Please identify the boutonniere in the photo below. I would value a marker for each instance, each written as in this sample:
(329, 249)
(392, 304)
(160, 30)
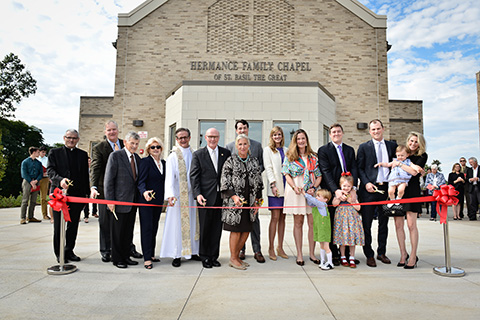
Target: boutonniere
(221, 154)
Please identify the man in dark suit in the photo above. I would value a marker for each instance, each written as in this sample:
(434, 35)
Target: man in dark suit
(120, 184)
(68, 169)
(371, 179)
(100, 153)
(464, 169)
(205, 174)
(473, 188)
(256, 150)
(334, 158)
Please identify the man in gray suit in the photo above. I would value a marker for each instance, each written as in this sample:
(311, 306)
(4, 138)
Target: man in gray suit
(120, 184)
(256, 150)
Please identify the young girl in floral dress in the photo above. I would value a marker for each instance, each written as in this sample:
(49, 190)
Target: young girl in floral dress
(348, 230)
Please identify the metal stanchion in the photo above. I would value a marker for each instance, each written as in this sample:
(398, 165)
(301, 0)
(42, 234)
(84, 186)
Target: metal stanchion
(448, 270)
(62, 268)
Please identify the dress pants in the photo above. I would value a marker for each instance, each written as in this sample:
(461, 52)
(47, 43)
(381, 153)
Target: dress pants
(122, 235)
(28, 199)
(105, 217)
(44, 184)
(149, 218)
(368, 212)
(210, 221)
(474, 202)
(71, 229)
(255, 236)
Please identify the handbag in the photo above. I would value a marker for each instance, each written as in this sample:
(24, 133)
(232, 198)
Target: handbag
(394, 211)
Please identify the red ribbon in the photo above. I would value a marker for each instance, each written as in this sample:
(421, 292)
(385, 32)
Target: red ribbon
(445, 196)
(346, 173)
(58, 202)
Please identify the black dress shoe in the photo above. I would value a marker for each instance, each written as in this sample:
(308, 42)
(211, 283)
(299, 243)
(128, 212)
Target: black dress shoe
(336, 261)
(195, 257)
(73, 257)
(207, 263)
(130, 262)
(121, 265)
(177, 262)
(215, 263)
(106, 257)
(136, 255)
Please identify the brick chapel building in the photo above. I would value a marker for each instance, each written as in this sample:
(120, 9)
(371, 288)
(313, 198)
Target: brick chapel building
(294, 63)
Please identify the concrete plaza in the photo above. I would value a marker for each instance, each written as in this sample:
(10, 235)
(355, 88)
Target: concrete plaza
(273, 290)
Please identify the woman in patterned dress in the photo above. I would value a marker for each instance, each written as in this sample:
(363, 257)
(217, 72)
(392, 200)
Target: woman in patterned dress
(301, 172)
(240, 185)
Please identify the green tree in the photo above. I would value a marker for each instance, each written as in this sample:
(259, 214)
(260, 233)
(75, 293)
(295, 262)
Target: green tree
(16, 138)
(3, 160)
(438, 163)
(16, 83)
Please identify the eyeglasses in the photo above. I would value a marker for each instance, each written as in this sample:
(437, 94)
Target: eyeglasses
(182, 138)
(212, 137)
(155, 147)
(71, 138)
(463, 160)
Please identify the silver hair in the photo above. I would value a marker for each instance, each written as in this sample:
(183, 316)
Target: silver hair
(111, 121)
(473, 158)
(434, 167)
(72, 131)
(132, 135)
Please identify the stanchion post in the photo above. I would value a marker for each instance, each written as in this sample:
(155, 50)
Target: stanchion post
(62, 268)
(447, 270)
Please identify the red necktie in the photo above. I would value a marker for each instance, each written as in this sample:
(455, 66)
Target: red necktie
(132, 164)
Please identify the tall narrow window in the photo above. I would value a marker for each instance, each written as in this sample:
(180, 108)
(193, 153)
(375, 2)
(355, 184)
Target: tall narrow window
(204, 125)
(288, 128)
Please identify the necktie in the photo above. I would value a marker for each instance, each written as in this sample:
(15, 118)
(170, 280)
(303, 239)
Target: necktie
(214, 159)
(132, 164)
(116, 147)
(344, 163)
(381, 176)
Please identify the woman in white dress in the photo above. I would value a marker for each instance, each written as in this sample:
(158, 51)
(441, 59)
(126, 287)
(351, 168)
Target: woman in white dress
(273, 157)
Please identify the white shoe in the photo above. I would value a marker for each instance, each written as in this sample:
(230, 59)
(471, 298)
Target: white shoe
(389, 205)
(326, 266)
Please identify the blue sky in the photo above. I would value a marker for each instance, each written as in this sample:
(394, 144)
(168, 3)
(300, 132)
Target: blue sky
(435, 56)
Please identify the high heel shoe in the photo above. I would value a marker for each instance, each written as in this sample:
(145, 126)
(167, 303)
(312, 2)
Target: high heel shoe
(402, 264)
(411, 267)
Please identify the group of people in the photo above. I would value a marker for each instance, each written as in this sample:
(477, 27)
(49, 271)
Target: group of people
(217, 188)
(464, 179)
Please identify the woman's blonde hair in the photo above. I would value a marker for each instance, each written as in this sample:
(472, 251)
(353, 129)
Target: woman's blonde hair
(422, 145)
(150, 142)
(272, 143)
(292, 153)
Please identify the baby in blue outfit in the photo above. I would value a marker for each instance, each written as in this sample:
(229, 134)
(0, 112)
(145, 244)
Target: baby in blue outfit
(398, 177)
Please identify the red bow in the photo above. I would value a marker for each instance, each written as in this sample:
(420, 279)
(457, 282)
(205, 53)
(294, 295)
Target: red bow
(346, 173)
(445, 196)
(58, 202)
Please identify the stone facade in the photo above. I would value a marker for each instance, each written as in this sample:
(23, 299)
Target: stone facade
(405, 116)
(339, 44)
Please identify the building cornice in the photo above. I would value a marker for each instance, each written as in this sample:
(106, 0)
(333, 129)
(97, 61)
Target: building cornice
(148, 6)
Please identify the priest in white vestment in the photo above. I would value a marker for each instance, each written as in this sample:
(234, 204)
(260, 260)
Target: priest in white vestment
(181, 231)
